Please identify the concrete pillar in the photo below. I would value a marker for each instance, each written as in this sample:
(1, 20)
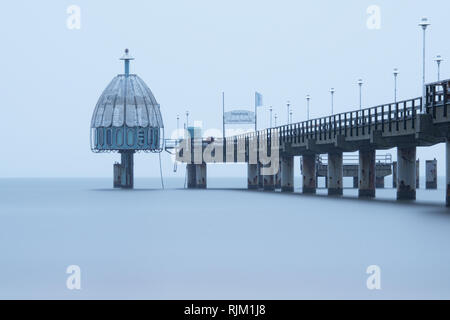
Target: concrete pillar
(117, 171)
(431, 174)
(418, 174)
(260, 177)
(335, 174)
(200, 176)
(406, 170)
(287, 174)
(278, 177)
(355, 182)
(447, 172)
(379, 182)
(252, 176)
(366, 173)
(268, 181)
(127, 172)
(309, 174)
(191, 176)
(394, 174)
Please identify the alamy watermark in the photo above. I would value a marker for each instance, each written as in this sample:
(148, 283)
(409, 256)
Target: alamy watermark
(73, 21)
(374, 19)
(253, 149)
(73, 281)
(374, 280)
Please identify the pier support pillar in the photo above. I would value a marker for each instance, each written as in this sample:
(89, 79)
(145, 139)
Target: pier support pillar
(335, 174)
(309, 174)
(252, 176)
(196, 176)
(431, 174)
(447, 172)
(406, 170)
(268, 181)
(355, 182)
(366, 173)
(127, 172)
(200, 176)
(287, 174)
(260, 177)
(394, 174)
(191, 176)
(117, 171)
(418, 174)
(278, 177)
(379, 182)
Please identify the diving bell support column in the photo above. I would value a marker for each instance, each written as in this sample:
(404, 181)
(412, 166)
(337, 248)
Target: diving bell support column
(127, 170)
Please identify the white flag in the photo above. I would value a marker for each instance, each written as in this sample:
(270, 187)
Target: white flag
(258, 99)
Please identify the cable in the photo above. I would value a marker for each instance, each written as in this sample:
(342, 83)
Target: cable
(160, 171)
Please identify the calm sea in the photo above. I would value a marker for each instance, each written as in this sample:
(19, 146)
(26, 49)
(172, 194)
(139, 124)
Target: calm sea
(221, 243)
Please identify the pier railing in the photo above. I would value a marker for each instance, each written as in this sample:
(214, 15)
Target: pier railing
(354, 159)
(397, 117)
(388, 117)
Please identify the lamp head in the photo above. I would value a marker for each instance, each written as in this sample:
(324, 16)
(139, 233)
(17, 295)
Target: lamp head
(424, 23)
(439, 59)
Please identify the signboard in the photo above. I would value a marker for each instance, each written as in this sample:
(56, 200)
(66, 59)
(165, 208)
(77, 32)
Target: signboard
(240, 117)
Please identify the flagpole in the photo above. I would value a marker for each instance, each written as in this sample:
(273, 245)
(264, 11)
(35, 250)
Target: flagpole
(223, 115)
(256, 115)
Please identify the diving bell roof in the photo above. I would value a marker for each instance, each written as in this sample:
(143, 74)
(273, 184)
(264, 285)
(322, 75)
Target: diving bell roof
(127, 101)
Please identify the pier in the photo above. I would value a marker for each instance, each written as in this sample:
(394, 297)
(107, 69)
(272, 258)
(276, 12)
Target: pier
(269, 153)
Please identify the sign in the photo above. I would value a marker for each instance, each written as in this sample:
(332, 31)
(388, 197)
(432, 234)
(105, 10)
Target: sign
(240, 117)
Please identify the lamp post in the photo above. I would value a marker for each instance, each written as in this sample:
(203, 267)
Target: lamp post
(290, 113)
(332, 91)
(276, 117)
(288, 110)
(360, 83)
(187, 120)
(178, 122)
(424, 24)
(270, 109)
(308, 98)
(396, 73)
(438, 61)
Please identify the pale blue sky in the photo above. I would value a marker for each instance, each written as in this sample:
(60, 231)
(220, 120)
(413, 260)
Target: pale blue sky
(188, 52)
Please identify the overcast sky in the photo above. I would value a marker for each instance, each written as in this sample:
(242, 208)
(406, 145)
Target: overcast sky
(188, 52)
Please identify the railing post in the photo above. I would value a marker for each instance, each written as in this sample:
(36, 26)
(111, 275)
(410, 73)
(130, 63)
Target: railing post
(376, 118)
(396, 117)
(351, 124)
(413, 114)
(433, 101)
(315, 129)
(445, 88)
(390, 118)
(363, 122)
(404, 115)
(320, 129)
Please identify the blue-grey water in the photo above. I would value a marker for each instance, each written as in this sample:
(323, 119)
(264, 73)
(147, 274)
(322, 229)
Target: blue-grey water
(220, 243)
